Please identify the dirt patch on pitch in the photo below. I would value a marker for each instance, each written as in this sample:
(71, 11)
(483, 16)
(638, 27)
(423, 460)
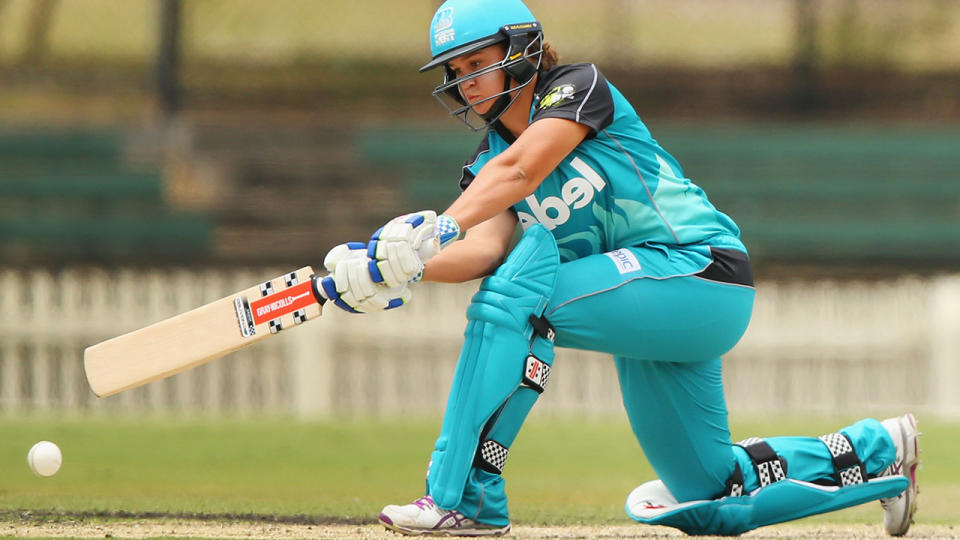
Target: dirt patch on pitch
(151, 528)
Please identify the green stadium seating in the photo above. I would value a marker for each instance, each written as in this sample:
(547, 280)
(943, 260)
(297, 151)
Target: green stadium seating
(99, 185)
(92, 238)
(832, 195)
(68, 197)
(802, 194)
(61, 144)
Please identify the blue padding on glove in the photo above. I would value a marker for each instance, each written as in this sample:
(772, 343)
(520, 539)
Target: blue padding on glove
(416, 220)
(372, 245)
(330, 289)
(374, 270)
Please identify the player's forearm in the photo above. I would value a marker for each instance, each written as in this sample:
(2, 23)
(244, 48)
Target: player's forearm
(462, 261)
(498, 186)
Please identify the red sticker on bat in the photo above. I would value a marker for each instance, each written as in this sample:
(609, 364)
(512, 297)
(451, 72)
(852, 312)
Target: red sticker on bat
(282, 302)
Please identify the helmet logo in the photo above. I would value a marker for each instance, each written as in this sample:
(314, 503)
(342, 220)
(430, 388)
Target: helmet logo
(443, 31)
(558, 95)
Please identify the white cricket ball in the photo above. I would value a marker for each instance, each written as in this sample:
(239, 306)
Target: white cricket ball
(44, 458)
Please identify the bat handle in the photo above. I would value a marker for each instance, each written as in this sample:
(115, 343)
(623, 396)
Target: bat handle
(316, 289)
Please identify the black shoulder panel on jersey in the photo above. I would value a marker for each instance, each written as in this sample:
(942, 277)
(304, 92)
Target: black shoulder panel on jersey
(466, 176)
(577, 92)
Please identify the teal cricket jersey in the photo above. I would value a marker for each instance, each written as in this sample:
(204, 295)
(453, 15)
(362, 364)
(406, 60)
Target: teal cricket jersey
(618, 188)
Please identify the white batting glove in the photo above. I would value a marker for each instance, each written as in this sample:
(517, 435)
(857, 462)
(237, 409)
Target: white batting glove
(350, 286)
(402, 246)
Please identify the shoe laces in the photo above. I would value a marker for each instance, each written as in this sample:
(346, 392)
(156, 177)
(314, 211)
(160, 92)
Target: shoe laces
(895, 469)
(425, 503)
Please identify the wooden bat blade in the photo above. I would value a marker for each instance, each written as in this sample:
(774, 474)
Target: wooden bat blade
(203, 334)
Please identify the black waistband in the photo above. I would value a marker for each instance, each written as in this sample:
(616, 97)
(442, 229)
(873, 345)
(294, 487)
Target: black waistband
(728, 266)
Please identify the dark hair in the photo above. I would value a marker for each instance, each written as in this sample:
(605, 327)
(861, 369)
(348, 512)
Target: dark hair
(550, 56)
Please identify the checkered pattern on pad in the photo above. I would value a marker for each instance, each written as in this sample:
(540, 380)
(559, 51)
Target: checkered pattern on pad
(770, 472)
(735, 490)
(494, 454)
(768, 465)
(849, 469)
(735, 483)
(836, 443)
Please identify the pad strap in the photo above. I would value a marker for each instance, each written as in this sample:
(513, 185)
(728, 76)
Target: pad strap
(536, 373)
(491, 456)
(542, 327)
(847, 467)
(769, 466)
(734, 483)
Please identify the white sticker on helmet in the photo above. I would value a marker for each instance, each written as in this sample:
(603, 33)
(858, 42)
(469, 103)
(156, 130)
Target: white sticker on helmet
(443, 31)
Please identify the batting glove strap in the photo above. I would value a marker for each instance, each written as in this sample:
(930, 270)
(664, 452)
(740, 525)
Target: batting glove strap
(447, 229)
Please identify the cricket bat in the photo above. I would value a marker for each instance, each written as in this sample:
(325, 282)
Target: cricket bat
(203, 334)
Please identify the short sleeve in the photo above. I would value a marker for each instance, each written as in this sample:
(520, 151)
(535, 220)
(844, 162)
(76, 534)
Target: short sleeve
(577, 92)
(473, 165)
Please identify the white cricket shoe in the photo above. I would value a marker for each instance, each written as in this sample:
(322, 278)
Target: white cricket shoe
(422, 517)
(898, 511)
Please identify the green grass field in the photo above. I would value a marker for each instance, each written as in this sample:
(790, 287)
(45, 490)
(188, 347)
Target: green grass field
(561, 472)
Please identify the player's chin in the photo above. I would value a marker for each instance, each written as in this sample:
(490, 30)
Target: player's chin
(481, 107)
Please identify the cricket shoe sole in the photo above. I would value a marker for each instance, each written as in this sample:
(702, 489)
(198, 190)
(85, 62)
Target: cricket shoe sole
(422, 517)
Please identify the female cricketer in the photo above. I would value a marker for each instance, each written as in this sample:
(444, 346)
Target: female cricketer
(621, 254)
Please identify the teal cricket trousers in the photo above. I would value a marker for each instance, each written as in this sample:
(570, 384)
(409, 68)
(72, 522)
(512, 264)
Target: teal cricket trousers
(667, 324)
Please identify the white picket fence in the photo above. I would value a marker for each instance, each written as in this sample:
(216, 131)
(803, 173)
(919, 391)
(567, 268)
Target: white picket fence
(812, 347)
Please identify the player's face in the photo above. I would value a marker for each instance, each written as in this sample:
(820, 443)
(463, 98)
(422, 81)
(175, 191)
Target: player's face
(477, 89)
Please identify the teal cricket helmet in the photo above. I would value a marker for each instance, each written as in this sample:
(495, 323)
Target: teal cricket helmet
(462, 26)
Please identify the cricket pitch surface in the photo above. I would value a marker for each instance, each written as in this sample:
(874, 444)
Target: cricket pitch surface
(28, 527)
